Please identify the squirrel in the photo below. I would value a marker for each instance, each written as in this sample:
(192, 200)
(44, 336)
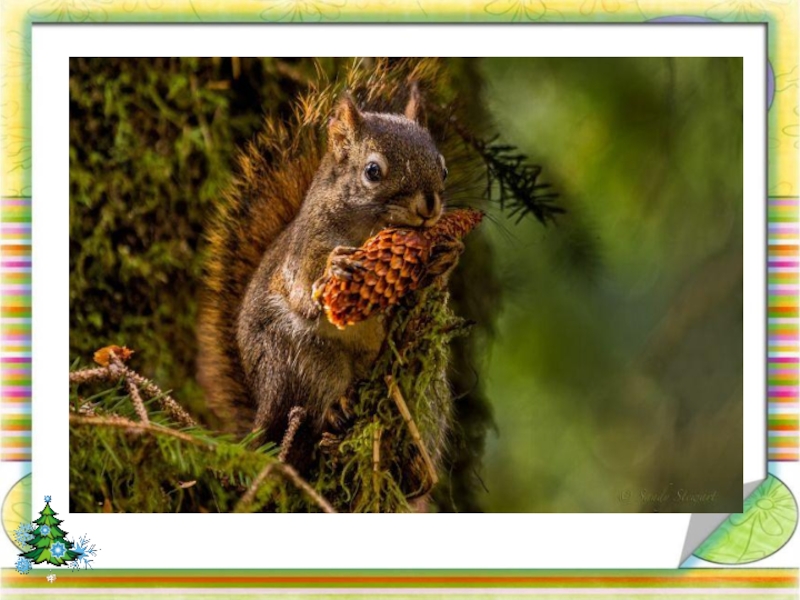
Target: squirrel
(265, 344)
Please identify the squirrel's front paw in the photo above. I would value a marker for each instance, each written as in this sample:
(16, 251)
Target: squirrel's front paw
(444, 256)
(341, 263)
(339, 417)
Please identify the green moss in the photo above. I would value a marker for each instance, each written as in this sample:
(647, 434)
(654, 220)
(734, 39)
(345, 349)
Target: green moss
(125, 470)
(202, 471)
(416, 357)
(152, 145)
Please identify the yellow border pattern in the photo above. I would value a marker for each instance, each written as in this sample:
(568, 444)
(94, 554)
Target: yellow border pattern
(17, 15)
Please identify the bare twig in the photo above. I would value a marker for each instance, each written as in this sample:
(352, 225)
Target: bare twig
(123, 423)
(296, 416)
(91, 375)
(138, 404)
(397, 396)
(166, 401)
(288, 473)
(134, 383)
(376, 464)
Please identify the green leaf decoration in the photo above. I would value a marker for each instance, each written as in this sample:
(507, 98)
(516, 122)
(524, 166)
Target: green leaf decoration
(766, 523)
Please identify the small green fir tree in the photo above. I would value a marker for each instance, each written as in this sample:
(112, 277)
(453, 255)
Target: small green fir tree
(48, 540)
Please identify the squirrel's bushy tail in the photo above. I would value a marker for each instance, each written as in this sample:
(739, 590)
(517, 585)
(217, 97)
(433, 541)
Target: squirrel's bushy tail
(274, 172)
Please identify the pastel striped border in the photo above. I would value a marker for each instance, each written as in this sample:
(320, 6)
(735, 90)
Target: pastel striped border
(783, 354)
(15, 328)
(694, 579)
(783, 361)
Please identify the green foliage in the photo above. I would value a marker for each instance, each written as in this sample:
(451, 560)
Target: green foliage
(118, 469)
(416, 358)
(617, 374)
(159, 467)
(152, 144)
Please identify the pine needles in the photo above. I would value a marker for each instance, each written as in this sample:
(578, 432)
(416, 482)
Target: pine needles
(511, 179)
(120, 462)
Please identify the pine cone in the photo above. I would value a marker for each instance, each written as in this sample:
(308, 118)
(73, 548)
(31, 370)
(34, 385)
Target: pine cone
(395, 262)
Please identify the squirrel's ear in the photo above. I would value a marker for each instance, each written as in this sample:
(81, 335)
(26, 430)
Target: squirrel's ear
(344, 126)
(415, 109)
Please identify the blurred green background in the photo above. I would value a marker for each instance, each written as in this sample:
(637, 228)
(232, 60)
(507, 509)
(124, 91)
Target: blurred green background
(615, 370)
(616, 373)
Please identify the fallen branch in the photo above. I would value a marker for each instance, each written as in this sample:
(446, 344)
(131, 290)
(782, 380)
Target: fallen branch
(166, 401)
(112, 360)
(288, 473)
(376, 464)
(138, 404)
(397, 396)
(123, 423)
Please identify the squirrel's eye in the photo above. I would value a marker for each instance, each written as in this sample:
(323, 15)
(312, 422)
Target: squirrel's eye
(445, 173)
(372, 172)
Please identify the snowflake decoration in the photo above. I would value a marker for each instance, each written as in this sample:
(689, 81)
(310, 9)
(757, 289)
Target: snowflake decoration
(44, 530)
(57, 550)
(51, 578)
(84, 548)
(23, 534)
(47, 498)
(24, 566)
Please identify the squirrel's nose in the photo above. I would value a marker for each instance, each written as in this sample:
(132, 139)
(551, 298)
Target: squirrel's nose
(430, 205)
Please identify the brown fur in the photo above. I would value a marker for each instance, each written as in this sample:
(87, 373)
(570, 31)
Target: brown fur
(264, 346)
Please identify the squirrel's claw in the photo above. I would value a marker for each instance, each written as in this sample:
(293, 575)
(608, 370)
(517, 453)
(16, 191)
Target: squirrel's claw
(345, 270)
(339, 417)
(444, 257)
(341, 265)
(342, 251)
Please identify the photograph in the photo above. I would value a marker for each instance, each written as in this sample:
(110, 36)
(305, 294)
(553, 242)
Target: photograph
(406, 285)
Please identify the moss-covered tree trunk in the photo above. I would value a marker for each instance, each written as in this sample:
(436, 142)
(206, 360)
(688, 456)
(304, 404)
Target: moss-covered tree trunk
(152, 144)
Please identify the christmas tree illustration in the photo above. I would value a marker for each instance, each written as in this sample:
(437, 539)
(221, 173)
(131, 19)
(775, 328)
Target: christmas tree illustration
(48, 540)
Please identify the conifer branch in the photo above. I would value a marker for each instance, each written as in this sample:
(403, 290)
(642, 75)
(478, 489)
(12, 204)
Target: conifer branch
(511, 180)
(136, 399)
(166, 401)
(113, 367)
(90, 375)
(289, 474)
(118, 422)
